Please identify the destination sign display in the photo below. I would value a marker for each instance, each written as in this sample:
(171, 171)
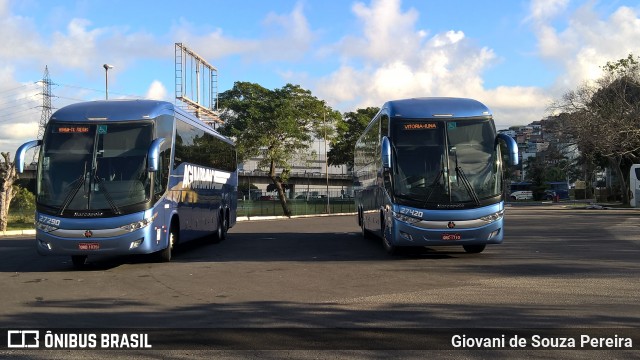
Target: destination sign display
(70, 129)
(420, 126)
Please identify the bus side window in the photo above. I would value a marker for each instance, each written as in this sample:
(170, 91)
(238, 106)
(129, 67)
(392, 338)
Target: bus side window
(161, 177)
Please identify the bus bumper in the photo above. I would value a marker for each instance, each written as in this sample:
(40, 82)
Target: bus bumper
(136, 242)
(409, 235)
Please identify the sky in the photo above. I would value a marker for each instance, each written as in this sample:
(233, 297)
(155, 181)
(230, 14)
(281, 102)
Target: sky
(516, 56)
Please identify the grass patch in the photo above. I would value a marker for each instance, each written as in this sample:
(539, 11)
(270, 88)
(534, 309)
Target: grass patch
(298, 207)
(20, 221)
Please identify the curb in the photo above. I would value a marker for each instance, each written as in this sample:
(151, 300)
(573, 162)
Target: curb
(18, 232)
(252, 218)
(241, 218)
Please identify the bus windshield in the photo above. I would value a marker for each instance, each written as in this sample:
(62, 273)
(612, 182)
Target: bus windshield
(445, 162)
(95, 167)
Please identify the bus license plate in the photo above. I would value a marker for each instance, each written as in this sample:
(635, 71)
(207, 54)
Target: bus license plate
(88, 246)
(451, 237)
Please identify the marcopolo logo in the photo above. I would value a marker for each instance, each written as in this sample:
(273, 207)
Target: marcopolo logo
(23, 339)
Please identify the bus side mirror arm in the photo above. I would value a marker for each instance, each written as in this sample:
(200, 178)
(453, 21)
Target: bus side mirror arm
(386, 153)
(19, 161)
(153, 156)
(512, 147)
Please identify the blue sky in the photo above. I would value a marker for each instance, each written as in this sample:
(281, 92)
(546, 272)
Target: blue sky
(515, 56)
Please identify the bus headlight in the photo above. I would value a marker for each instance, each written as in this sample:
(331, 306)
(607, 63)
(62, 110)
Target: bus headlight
(493, 217)
(404, 218)
(45, 227)
(139, 224)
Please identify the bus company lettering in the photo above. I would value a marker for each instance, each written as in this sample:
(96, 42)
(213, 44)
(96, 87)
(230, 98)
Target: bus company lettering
(196, 177)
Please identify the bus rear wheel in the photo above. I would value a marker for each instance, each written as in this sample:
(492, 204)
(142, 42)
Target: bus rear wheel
(221, 229)
(474, 249)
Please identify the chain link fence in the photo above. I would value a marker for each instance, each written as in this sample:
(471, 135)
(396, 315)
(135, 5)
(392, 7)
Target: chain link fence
(305, 203)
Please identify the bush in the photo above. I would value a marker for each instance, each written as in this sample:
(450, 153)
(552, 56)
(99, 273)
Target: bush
(23, 202)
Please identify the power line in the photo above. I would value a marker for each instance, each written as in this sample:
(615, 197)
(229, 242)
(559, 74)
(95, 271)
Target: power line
(14, 113)
(20, 104)
(100, 91)
(17, 102)
(16, 88)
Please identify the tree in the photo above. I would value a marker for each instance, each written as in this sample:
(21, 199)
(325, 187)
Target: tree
(603, 118)
(8, 175)
(274, 125)
(348, 130)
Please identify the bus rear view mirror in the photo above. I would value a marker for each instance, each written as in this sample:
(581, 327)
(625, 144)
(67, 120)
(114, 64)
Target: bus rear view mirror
(386, 153)
(512, 147)
(153, 155)
(20, 153)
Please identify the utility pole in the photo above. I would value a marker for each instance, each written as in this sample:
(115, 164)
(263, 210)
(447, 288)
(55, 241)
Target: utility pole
(326, 159)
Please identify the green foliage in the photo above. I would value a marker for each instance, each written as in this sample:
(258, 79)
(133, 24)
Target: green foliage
(23, 202)
(348, 129)
(603, 118)
(275, 124)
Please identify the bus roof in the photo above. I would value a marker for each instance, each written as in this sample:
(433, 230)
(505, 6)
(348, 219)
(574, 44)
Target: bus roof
(114, 110)
(437, 107)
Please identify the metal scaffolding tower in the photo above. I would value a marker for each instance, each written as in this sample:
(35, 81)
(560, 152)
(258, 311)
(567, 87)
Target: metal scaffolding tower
(196, 85)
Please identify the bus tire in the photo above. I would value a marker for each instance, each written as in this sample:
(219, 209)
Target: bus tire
(388, 247)
(79, 261)
(164, 255)
(221, 228)
(365, 233)
(386, 242)
(474, 249)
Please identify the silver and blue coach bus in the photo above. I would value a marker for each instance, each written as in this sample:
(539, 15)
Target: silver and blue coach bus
(428, 172)
(130, 177)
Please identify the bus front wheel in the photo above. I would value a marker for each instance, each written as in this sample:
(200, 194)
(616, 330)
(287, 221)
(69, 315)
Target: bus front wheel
(474, 249)
(165, 254)
(386, 242)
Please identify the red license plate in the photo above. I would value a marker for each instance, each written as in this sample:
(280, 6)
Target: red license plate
(451, 237)
(88, 246)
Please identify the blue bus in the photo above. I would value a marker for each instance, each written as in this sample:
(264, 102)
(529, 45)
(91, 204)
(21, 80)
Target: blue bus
(130, 177)
(428, 171)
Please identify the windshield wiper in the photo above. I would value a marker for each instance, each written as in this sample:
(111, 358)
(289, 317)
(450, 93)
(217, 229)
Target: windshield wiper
(433, 186)
(107, 195)
(460, 175)
(75, 187)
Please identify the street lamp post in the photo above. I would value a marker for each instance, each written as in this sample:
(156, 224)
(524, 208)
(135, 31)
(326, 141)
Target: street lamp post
(106, 79)
(326, 158)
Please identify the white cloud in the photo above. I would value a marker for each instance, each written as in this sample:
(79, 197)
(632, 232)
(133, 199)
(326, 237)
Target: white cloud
(588, 42)
(543, 10)
(19, 131)
(286, 37)
(157, 91)
(385, 27)
(444, 64)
